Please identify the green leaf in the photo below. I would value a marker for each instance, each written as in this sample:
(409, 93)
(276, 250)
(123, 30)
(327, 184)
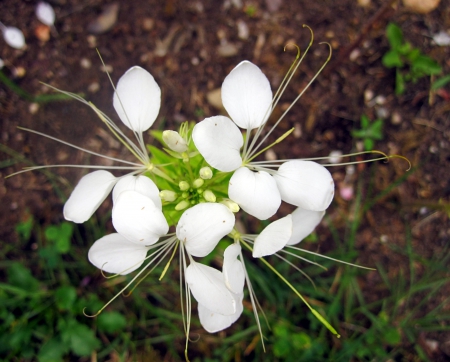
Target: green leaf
(399, 83)
(368, 144)
(111, 322)
(50, 255)
(52, 351)
(80, 338)
(24, 228)
(426, 65)
(392, 336)
(20, 276)
(441, 82)
(65, 297)
(394, 35)
(392, 59)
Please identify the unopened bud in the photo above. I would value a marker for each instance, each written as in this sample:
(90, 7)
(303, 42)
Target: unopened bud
(182, 205)
(206, 173)
(209, 196)
(167, 195)
(231, 205)
(174, 141)
(184, 185)
(198, 183)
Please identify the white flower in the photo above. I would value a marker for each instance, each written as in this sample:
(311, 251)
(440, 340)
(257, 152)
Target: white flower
(247, 97)
(137, 100)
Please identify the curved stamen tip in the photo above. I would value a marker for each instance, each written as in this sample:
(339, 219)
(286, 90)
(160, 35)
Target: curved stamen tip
(330, 50)
(293, 45)
(402, 157)
(312, 33)
(91, 316)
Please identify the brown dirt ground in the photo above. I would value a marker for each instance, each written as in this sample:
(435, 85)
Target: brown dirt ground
(192, 66)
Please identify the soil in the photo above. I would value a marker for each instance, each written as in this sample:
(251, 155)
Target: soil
(189, 47)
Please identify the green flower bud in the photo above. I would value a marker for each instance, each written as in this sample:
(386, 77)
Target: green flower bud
(182, 205)
(209, 196)
(174, 141)
(231, 205)
(198, 183)
(206, 173)
(167, 195)
(184, 185)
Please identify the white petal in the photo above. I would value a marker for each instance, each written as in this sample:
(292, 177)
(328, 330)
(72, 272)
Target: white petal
(208, 289)
(219, 141)
(215, 322)
(137, 99)
(273, 238)
(87, 196)
(305, 184)
(255, 192)
(303, 224)
(141, 184)
(201, 227)
(233, 270)
(13, 37)
(115, 254)
(136, 217)
(45, 13)
(246, 95)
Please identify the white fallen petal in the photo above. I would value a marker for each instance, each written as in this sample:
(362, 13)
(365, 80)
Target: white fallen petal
(303, 223)
(87, 196)
(255, 192)
(215, 322)
(233, 270)
(115, 254)
(246, 95)
(13, 37)
(45, 13)
(174, 141)
(141, 184)
(305, 184)
(201, 227)
(137, 218)
(137, 99)
(219, 141)
(442, 38)
(208, 289)
(273, 238)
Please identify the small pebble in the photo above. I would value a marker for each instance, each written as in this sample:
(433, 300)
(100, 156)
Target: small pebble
(42, 32)
(384, 239)
(363, 3)
(195, 61)
(380, 100)
(273, 5)
(19, 72)
(421, 6)
(354, 54)
(335, 157)
(442, 38)
(270, 155)
(433, 149)
(243, 31)
(105, 21)
(2, 63)
(214, 98)
(368, 95)
(148, 24)
(227, 50)
(92, 41)
(33, 108)
(297, 130)
(85, 63)
(396, 118)
(93, 87)
(382, 112)
(107, 68)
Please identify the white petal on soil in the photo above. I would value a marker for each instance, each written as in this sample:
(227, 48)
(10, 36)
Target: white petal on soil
(208, 289)
(136, 217)
(305, 184)
(255, 192)
(137, 99)
(45, 13)
(214, 322)
(219, 141)
(87, 196)
(303, 224)
(246, 95)
(201, 227)
(174, 141)
(141, 184)
(13, 37)
(233, 270)
(273, 238)
(115, 254)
